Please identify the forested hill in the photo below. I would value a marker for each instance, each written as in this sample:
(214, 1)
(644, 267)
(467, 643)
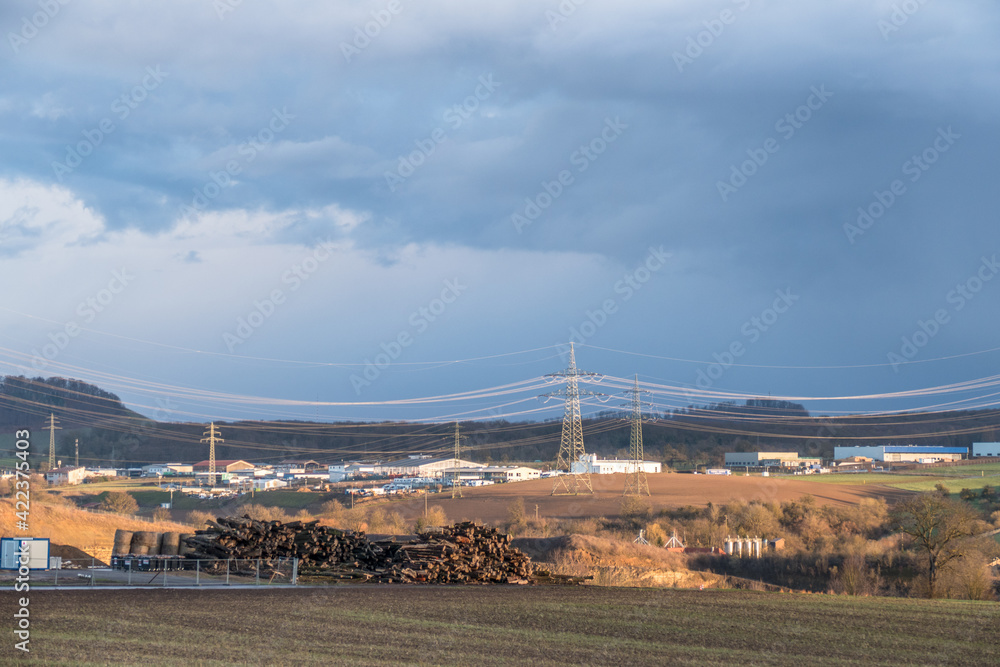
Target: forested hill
(76, 404)
(110, 433)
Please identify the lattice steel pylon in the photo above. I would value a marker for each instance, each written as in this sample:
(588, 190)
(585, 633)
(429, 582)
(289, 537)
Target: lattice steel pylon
(456, 481)
(635, 478)
(571, 443)
(52, 440)
(211, 437)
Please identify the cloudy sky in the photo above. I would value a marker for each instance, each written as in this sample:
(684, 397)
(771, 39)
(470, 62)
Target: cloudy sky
(259, 198)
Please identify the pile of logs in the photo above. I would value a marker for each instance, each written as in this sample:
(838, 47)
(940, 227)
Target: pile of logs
(463, 553)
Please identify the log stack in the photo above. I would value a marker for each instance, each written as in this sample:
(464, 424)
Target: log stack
(463, 553)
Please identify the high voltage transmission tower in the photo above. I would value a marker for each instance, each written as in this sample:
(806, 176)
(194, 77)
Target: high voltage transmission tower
(456, 486)
(211, 437)
(52, 440)
(635, 478)
(571, 444)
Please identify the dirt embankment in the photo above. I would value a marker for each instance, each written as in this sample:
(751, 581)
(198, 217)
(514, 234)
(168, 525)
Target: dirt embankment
(66, 525)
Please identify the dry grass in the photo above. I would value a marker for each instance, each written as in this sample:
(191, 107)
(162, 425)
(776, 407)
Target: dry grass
(63, 524)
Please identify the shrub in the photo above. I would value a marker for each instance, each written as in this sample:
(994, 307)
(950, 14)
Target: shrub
(331, 509)
(656, 535)
(967, 494)
(435, 517)
(199, 519)
(121, 503)
(162, 514)
(636, 511)
(516, 513)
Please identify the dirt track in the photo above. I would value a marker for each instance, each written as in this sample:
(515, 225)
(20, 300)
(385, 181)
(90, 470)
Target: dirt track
(668, 490)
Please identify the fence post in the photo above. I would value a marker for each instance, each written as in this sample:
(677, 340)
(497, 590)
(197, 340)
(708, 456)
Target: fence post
(164, 573)
(258, 572)
(227, 572)
(130, 572)
(57, 578)
(197, 572)
(295, 571)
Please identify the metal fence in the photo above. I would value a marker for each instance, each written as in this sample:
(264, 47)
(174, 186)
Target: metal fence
(175, 572)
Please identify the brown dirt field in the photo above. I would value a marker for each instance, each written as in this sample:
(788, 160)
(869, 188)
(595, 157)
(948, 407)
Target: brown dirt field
(489, 503)
(497, 625)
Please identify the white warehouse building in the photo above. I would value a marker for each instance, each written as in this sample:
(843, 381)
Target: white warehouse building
(902, 453)
(424, 466)
(597, 466)
(986, 449)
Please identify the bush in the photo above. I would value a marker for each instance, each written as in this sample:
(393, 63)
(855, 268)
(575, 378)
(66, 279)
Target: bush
(262, 513)
(331, 509)
(987, 493)
(942, 490)
(120, 503)
(636, 511)
(162, 514)
(435, 517)
(516, 513)
(656, 535)
(199, 519)
(967, 494)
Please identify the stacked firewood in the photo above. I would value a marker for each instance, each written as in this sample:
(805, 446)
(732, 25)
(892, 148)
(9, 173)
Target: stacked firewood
(463, 553)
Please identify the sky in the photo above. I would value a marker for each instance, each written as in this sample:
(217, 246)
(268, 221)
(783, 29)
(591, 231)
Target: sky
(331, 203)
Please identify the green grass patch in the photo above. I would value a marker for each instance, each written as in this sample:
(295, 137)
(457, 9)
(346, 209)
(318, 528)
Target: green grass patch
(284, 499)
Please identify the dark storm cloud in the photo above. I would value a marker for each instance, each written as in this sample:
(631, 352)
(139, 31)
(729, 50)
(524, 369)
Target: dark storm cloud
(744, 135)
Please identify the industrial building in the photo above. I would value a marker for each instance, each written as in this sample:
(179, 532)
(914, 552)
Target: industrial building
(986, 449)
(499, 474)
(593, 464)
(338, 472)
(66, 475)
(167, 469)
(902, 453)
(224, 465)
(769, 460)
(423, 466)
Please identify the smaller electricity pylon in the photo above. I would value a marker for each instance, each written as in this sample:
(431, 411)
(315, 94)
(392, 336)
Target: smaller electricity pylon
(456, 480)
(635, 477)
(52, 440)
(211, 437)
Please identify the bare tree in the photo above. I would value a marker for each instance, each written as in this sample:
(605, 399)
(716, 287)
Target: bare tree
(939, 526)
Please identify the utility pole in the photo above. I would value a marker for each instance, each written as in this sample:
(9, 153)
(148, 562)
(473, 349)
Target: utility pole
(211, 437)
(635, 479)
(456, 486)
(76, 449)
(571, 443)
(52, 440)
